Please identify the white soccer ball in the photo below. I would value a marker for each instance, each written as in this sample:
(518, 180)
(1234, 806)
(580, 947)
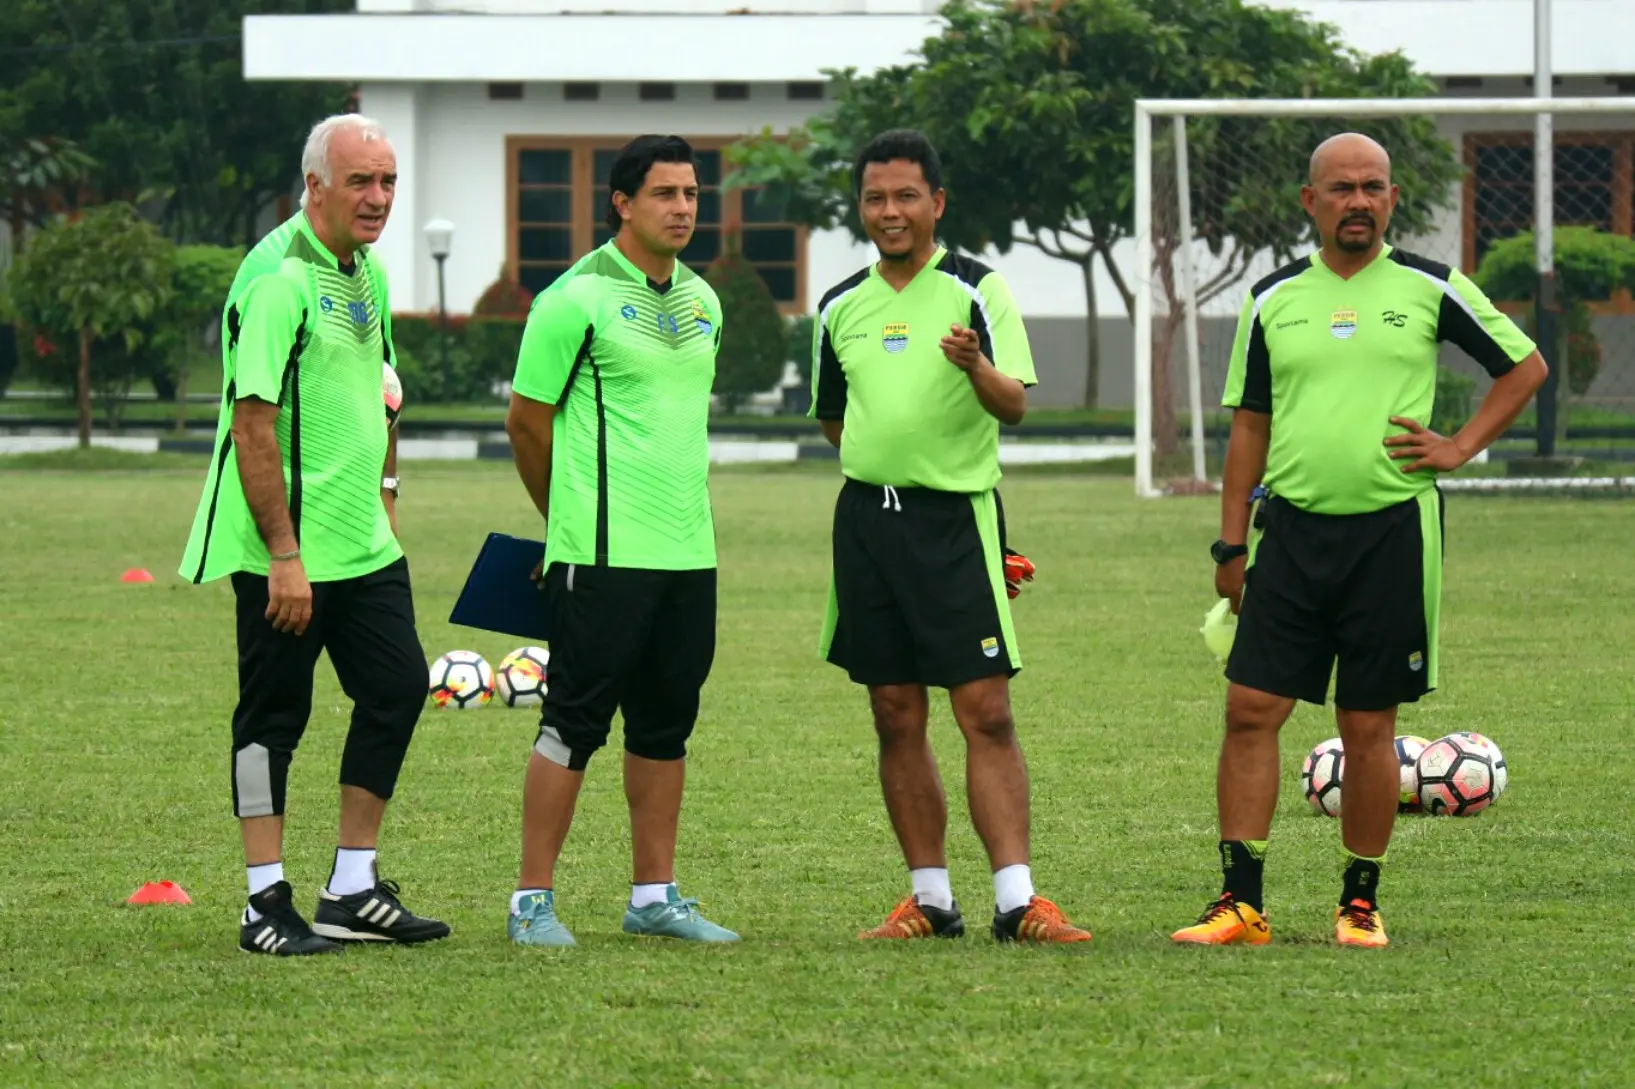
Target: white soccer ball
(520, 680)
(1461, 775)
(1320, 776)
(1408, 747)
(391, 391)
(461, 680)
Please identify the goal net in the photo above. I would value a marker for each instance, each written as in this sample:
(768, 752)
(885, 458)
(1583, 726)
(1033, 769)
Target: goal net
(1217, 207)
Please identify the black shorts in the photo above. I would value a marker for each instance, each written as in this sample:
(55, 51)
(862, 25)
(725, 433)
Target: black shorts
(625, 639)
(1363, 589)
(366, 624)
(919, 588)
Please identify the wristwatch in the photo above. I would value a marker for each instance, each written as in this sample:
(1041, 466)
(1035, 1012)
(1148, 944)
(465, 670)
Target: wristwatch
(1222, 552)
(389, 484)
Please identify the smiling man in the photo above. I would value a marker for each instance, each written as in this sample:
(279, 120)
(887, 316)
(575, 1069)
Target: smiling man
(299, 509)
(916, 360)
(1331, 382)
(609, 426)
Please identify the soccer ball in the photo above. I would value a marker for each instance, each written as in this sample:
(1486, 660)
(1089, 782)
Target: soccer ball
(1320, 776)
(1459, 775)
(1408, 747)
(1501, 770)
(461, 680)
(391, 391)
(520, 680)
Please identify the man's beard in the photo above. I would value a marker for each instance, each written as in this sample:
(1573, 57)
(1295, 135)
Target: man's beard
(1349, 245)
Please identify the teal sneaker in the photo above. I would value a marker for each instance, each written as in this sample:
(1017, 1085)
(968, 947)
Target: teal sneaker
(676, 918)
(535, 922)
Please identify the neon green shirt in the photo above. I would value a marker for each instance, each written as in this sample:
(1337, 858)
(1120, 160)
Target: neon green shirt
(1332, 360)
(299, 332)
(911, 417)
(630, 366)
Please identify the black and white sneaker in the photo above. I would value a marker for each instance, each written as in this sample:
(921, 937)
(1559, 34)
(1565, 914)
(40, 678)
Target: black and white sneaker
(374, 915)
(280, 931)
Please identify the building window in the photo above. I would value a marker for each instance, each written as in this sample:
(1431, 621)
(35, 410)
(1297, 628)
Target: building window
(558, 202)
(806, 91)
(505, 92)
(581, 92)
(1593, 185)
(656, 92)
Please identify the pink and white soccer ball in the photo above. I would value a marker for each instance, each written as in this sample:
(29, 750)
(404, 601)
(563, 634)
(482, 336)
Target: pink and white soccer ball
(461, 680)
(1320, 776)
(1461, 774)
(520, 680)
(391, 390)
(1408, 747)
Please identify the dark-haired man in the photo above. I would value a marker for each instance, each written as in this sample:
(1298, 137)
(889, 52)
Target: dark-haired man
(916, 359)
(609, 430)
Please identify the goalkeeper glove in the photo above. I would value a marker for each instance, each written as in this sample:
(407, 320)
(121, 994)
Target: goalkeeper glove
(1018, 569)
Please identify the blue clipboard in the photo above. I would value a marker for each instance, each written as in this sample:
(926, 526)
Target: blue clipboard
(499, 594)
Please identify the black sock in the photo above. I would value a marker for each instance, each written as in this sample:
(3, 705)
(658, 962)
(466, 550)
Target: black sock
(1362, 879)
(1242, 863)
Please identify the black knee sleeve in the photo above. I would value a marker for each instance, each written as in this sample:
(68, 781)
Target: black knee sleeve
(568, 743)
(657, 741)
(383, 724)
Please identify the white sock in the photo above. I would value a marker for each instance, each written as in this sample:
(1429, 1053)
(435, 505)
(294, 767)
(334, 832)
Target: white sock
(1012, 887)
(354, 871)
(262, 877)
(931, 888)
(517, 898)
(642, 895)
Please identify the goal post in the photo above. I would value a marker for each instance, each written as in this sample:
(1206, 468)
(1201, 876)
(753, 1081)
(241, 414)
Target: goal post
(1216, 195)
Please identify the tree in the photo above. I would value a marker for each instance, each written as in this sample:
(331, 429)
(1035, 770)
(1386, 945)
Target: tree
(95, 278)
(754, 338)
(155, 94)
(1031, 106)
(1591, 265)
(201, 278)
(34, 171)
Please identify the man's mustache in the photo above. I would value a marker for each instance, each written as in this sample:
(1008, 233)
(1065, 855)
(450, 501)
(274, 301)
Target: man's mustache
(1358, 217)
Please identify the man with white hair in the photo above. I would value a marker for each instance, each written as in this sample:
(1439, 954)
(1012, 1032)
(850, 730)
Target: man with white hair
(299, 510)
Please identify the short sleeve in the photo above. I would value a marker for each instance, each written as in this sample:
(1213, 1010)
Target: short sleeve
(557, 331)
(828, 376)
(270, 316)
(1004, 336)
(1469, 319)
(1249, 371)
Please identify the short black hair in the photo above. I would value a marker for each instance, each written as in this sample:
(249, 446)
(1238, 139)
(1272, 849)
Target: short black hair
(909, 144)
(635, 160)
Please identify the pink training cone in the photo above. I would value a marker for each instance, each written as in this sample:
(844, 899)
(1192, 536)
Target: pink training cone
(159, 892)
(137, 574)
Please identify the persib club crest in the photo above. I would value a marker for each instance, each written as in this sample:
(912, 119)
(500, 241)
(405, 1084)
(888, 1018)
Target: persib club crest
(895, 338)
(701, 318)
(1343, 324)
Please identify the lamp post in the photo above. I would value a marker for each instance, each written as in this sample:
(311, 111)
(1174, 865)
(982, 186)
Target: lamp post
(439, 239)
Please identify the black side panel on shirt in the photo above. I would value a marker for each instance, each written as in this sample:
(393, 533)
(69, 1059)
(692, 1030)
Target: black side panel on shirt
(831, 378)
(292, 397)
(584, 356)
(221, 463)
(971, 273)
(1257, 364)
(1455, 323)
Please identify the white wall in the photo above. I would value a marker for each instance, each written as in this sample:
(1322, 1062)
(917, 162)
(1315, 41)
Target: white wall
(653, 7)
(450, 140)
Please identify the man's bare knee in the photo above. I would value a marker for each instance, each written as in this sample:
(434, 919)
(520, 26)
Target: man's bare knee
(1249, 710)
(983, 711)
(899, 713)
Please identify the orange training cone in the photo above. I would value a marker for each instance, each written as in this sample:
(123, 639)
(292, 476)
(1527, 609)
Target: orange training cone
(159, 892)
(137, 574)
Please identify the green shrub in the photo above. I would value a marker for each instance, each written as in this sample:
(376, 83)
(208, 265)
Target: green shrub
(754, 338)
(1452, 409)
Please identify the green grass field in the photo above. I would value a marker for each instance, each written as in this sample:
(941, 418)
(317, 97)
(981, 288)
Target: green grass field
(1511, 960)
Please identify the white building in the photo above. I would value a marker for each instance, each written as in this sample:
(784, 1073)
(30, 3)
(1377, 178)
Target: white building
(505, 113)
